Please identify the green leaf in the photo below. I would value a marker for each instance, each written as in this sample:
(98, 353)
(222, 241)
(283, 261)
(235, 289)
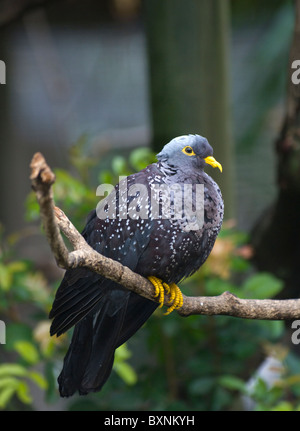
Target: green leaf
(126, 372)
(262, 285)
(16, 332)
(69, 189)
(28, 351)
(105, 177)
(22, 391)
(201, 386)
(232, 383)
(12, 370)
(8, 381)
(5, 277)
(122, 353)
(260, 389)
(119, 165)
(17, 266)
(50, 376)
(141, 157)
(283, 406)
(275, 328)
(6, 394)
(32, 208)
(239, 264)
(38, 379)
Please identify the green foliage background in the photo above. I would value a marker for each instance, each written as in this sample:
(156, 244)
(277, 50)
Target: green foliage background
(172, 363)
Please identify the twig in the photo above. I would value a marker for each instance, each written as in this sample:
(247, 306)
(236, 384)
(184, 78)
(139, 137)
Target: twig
(54, 220)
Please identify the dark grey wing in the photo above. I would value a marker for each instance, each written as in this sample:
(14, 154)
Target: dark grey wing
(105, 314)
(123, 240)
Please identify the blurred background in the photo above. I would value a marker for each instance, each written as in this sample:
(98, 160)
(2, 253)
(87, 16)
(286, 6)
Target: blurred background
(99, 87)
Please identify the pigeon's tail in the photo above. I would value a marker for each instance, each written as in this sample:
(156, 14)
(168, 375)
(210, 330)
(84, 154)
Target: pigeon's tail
(89, 360)
(104, 319)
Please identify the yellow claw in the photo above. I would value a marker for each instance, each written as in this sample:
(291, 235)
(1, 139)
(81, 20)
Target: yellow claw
(159, 290)
(176, 299)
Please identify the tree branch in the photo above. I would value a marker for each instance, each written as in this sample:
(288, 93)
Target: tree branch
(54, 220)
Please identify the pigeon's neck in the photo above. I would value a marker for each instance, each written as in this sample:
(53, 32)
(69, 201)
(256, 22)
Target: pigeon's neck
(176, 174)
(166, 169)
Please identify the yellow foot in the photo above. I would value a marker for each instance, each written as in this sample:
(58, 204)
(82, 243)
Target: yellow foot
(173, 290)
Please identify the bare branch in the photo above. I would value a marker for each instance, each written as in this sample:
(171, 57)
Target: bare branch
(42, 179)
(230, 305)
(54, 220)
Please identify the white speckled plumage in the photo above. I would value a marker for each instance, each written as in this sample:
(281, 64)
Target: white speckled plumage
(104, 313)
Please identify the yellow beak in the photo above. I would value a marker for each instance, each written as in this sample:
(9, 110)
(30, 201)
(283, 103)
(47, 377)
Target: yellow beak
(212, 161)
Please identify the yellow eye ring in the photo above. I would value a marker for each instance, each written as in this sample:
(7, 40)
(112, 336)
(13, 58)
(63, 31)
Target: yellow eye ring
(188, 151)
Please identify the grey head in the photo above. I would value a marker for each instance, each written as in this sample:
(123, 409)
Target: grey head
(188, 152)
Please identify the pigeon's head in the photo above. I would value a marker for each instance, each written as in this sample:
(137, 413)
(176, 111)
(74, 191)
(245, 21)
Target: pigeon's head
(188, 151)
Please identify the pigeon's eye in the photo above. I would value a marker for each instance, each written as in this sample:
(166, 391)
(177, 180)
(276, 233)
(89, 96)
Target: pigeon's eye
(188, 151)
